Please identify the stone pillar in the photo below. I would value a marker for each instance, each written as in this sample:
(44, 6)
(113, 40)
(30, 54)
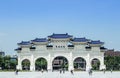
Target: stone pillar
(70, 61)
(19, 66)
(32, 63)
(49, 63)
(102, 66)
(88, 62)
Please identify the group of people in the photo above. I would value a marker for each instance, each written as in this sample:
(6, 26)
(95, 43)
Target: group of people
(63, 70)
(104, 70)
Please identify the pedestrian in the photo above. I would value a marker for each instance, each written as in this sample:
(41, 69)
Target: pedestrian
(72, 72)
(42, 70)
(16, 72)
(90, 71)
(47, 70)
(63, 70)
(104, 71)
(60, 71)
(111, 70)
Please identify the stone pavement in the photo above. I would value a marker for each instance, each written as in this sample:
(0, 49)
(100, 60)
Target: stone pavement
(58, 75)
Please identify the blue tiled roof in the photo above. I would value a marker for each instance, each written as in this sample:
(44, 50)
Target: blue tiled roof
(103, 48)
(88, 47)
(70, 45)
(49, 46)
(60, 36)
(96, 42)
(80, 40)
(18, 49)
(24, 43)
(40, 40)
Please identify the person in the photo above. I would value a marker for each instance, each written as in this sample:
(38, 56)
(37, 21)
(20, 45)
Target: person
(60, 71)
(104, 71)
(16, 72)
(42, 70)
(47, 70)
(71, 72)
(111, 70)
(90, 71)
(63, 70)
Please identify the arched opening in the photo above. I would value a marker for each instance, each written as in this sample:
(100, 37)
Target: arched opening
(95, 64)
(25, 64)
(60, 62)
(41, 63)
(80, 64)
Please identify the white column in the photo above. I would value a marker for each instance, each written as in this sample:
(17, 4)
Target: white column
(70, 61)
(102, 65)
(49, 64)
(88, 62)
(32, 64)
(19, 66)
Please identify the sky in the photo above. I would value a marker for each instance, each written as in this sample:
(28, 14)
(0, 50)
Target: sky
(24, 20)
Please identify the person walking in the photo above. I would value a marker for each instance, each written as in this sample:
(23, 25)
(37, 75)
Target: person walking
(104, 71)
(90, 71)
(16, 72)
(63, 70)
(60, 71)
(72, 72)
(42, 70)
(111, 70)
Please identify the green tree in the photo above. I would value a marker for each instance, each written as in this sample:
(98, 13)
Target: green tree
(41, 63)
(7, 62)
(112, 62)
(13, 64)
(1, 61)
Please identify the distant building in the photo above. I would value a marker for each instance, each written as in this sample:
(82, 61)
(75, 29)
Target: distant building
(60, 51)
(2, 53)
(112, 53)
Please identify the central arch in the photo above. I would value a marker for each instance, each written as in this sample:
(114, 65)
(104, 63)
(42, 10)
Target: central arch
(60, 62)
(41, 63)
(79, 63)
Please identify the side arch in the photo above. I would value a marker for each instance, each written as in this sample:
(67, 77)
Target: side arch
(25, 64)
(95, 63)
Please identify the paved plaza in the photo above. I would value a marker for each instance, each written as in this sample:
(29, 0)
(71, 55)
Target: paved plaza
(84, 74)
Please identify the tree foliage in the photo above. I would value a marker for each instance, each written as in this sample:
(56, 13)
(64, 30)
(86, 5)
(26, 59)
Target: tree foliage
(41, 63)
(112, 62)
(6, 62)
